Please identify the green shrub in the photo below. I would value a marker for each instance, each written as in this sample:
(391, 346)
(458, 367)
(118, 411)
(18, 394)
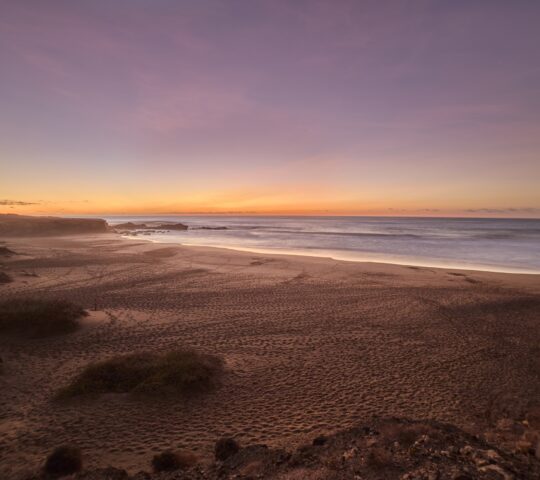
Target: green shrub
(39, 318)
(178, 371)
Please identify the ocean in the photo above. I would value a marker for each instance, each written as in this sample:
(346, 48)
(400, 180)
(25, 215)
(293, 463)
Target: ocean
(501, 245)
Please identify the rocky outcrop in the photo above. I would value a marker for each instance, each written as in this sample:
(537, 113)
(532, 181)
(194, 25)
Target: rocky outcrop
(387, 448)
(171, 226)
(29, 226)
(130, 226)
(143, 226)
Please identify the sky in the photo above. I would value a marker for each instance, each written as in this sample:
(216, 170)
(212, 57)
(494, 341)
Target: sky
(338, 107)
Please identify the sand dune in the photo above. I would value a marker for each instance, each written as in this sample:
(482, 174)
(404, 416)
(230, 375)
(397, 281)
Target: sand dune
(311, 345)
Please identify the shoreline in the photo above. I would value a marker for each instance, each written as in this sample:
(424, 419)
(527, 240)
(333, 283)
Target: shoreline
(329, 256)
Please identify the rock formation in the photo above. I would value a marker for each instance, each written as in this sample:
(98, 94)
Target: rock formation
(22, 226)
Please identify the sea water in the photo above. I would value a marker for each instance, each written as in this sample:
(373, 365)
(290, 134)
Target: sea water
(505, 245)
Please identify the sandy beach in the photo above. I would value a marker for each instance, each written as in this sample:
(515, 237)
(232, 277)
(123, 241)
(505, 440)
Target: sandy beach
(311, 345)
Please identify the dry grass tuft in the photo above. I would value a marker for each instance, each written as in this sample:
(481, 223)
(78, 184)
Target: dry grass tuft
(63, 461)
(175, 372)
(169, 461)
(225, 447)
(39, 318)
(5, 278)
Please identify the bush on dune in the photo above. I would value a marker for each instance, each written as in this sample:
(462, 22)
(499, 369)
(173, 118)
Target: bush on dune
(39, 318)
(177, 372)
(5, 278)
(6, 252)
(63, 461)
(169, 461)
(225, 447)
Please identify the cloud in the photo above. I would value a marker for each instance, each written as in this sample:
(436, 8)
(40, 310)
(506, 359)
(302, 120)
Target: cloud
(18, 203)
(504, 210)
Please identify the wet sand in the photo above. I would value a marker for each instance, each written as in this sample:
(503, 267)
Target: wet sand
(311, 345)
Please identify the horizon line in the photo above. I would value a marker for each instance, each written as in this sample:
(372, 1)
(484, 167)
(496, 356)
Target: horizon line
(270, 214)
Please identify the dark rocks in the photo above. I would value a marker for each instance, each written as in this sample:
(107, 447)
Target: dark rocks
(171, 226)
(440, 452)
(64, 460)
(130, 226)
(225, 448)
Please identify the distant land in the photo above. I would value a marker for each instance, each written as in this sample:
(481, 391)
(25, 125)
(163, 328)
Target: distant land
(21, 225)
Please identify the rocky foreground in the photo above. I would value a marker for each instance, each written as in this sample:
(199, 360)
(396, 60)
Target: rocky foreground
(388, 448)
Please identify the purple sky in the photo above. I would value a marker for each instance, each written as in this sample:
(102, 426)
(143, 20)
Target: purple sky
(272, 106)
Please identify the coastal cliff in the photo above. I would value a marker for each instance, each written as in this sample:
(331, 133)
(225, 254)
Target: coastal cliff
(29, 226)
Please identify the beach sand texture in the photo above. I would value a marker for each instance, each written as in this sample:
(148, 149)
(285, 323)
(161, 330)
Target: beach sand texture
(311, 345)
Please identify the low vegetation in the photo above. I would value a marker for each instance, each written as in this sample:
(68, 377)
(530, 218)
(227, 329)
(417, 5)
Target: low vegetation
(169, 461)
(225, 448)
(175, 372)
(5, 278)
(6, 252)
(63, 461)
(39, 318)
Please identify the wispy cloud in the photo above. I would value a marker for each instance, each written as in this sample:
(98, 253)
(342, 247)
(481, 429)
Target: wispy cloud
(528, 210)
(18, 203)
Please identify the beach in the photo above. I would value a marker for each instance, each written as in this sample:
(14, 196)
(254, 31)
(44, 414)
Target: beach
(311, 345)
(509, 245)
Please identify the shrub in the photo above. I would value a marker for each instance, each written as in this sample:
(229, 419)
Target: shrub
(225, 448)
(178, 371)
(320, 440)
(169, 461)
(5, 278)
(64, 460)
(6, 252)
(39, 318)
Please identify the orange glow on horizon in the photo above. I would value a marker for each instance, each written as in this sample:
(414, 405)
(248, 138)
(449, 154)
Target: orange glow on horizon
(308, 209)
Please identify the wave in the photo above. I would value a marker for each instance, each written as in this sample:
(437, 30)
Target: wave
(502, 245)
(346, 234)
